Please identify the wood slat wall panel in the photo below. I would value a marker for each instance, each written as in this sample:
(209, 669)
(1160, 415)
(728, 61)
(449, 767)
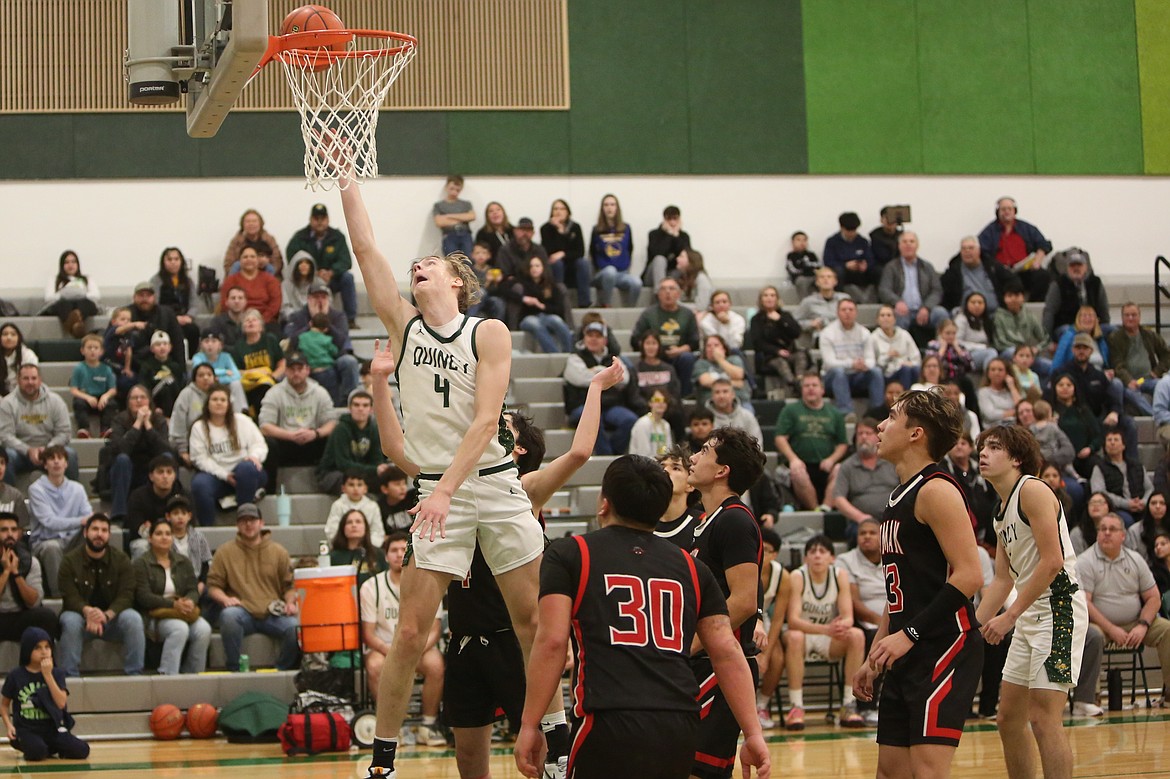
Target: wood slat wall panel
(65, 56)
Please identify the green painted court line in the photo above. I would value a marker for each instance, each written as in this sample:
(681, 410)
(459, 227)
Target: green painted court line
(353, 757)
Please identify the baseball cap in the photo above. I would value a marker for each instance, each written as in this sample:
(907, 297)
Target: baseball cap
(1083, 339)
(1076, 257)
(143, 286)
(525, 223)
(319, 209)
(295, 358)
(247, 510)
(211, 332)
(160, 336)
(178, 501)
(596, 327)
(317, 286)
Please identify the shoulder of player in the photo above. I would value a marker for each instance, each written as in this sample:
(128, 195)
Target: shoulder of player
(490, 337)
(938, 496)
(1035, 496)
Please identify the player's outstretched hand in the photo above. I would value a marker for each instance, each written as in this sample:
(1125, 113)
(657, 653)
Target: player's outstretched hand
(529, 751)
(430, 516)
(863, 682)
(754, 754)
(383, 363)
(611, 376)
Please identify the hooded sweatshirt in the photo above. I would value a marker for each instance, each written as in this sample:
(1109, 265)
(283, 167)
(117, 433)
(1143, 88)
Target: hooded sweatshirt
(55, 512)
(257, 575)
(295, 295)
(42, 421)
(737, 417)
(288, 409)
(188, 408)
(32, 704)
(350, 447)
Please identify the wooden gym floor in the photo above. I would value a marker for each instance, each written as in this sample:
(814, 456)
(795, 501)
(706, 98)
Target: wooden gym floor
(1128, 744)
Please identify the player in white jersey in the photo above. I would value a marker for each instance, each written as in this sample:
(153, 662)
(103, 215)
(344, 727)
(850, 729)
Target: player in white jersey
(1050, 615)
(453, 374)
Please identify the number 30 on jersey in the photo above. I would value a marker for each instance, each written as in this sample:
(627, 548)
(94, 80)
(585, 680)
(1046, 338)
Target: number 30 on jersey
(650, 610)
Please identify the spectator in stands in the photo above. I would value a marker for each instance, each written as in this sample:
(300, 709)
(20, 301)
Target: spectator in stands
(930, 375)
(981, 496)
(189, 541)
(666, 244)
(1015, 326)
(395, 499)
(651, 435)
(496, 230)
(12, 500)
(954, 361)
(878, 413)
(617, 418)
(975, 330)
(253, 234)
(97, 594)
(1054, 477)
(864, 481)
(330, 251)
(802, 265)
(1103, 395)
(998, 395)
(351, 545)
(1078, 422)
(720, 319)
(31, 419)
(294, 290)
(229, 452)
(884, 237)
(893, 351)
(820, 627)
(1055, 446)
(955, 392)
(93, 387)
(611, 342)
(1160, 566)
(611, 248)
(1017, 245)
(970, 271)
(677, 330)
(1123, 600)
(22, 589)
(652, 374)
(911, 285)
(1141, 534)
(1021, 370)
(151, 501)
(491, 303)
(562, 238)
(251, 580)
(71, 296)
(718, 363)
(699, 427)
(1084, 534)
(347, 368)
(161, 375)
(227, 373)
(57, 507)
(146, 318)
(167, 594)
(730, 412)
(542, 306)
(353, 445)
(818, 310)
(1124, 481)
(229, 322)
(296, 419)
(774, 582)
(811, 436)
(317, 348)
(260, 360)
(354, 497)
(1161, 406)
(1087, 323)
(139, 435)
(38, 726)
(173, 290)
(13, 354)
(118, 343)
(695, 285)
(773, 334)
(379, 609)
(848, 360)
(262, 290)
(850, 255)
(514, 259)
(1138, 355)
(867, 590)
(1070, 291)
(453, 216)
(188, 409)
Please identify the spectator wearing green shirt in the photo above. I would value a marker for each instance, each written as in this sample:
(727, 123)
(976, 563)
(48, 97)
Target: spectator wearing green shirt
(811, 436)
(1015, 326)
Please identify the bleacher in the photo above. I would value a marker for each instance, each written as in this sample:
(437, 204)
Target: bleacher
(107, 704)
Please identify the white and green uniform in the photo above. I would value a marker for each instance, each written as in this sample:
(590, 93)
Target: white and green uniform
(818, 604)
(437, 370)
(1050, 634)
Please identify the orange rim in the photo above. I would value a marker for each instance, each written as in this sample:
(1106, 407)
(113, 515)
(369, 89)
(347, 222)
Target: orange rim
(312, 43)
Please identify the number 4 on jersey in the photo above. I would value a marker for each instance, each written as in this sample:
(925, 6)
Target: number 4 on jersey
(443, 387)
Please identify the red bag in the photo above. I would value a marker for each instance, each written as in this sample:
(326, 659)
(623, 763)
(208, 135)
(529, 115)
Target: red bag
(309, 734)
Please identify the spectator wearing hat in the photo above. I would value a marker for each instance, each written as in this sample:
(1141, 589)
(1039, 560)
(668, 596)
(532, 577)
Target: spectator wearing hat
(296, 418)
(212, 352)
(1070, 290)
(666, 245)
(346, 368)
(329, 249)
(677, 330)
(149, 501)
(161, 374)
(353, 445)
(616, 416)
(251, 581)
(1101, 394)
(261, 290)
(514, 256)
(189, 541)
(148, 317)
(1017, 245)
(849, 254)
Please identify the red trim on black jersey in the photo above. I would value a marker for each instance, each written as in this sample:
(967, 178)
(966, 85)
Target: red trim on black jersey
(578, 740)
(948, 657)
(933, 703)
(694, 580)
(584, 577)
(717, 762)
(579, 686)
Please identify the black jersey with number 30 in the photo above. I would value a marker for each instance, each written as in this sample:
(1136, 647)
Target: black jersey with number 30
(637, 601)
(915, 567)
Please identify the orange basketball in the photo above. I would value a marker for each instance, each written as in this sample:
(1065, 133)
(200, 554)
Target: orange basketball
(201, 720)
(166, 722)
(316, 18)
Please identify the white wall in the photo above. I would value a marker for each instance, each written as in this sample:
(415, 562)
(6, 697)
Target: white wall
(741, 224)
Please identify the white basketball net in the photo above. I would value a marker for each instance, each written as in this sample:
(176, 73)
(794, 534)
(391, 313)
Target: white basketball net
(342, 102)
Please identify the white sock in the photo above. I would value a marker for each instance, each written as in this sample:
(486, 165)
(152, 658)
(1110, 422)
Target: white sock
(762, 700)
(428, 721)
(848, 698)
(797, 698)
(550, 721)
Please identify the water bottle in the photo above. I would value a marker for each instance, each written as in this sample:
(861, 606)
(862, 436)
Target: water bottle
(283, 508)
(323, 555)
(1114, 681)
(245, 664)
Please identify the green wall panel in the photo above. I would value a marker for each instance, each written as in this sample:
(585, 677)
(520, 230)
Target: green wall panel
(147, 146)
(1085, 97)
(248, 144)
(36, 146)
(745, 74)
(861, 85)
(412, 143)
(509, 142)
(1153, 45)
(973, 81)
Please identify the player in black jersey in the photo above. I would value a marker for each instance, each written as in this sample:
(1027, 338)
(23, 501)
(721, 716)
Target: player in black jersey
(728, 541)
(681, 517)
(634, 604)
(485, 665)
(928, 642)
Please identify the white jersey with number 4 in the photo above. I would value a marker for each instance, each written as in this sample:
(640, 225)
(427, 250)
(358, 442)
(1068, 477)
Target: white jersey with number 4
(437, 384)
(1015, 533)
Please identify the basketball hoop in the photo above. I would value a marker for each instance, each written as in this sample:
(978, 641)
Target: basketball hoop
(338, 86)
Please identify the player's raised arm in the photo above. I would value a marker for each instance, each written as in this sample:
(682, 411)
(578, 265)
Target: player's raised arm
(393, 309)
(390, 434)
